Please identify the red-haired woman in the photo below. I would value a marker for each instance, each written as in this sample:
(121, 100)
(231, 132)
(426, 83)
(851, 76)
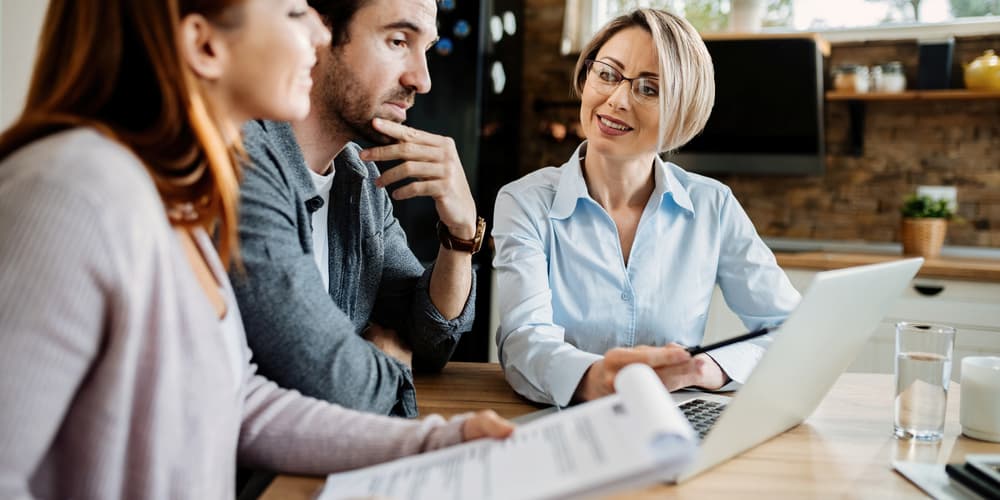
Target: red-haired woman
(124, 371)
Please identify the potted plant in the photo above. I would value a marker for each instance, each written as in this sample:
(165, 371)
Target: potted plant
(925, 222)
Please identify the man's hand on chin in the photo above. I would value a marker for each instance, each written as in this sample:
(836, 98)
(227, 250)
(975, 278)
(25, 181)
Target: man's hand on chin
(433, 162)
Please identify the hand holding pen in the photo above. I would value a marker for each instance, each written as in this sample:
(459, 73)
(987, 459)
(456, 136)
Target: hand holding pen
(700, 370)
(677, 366)
(698, 349)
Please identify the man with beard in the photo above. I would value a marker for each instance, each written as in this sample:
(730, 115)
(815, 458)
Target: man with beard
(334, 302)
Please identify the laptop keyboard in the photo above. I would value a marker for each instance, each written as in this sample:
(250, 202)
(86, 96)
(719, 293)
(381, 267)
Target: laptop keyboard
(702, 414)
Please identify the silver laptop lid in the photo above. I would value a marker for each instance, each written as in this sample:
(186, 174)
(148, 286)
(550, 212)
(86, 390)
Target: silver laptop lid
(818, 341)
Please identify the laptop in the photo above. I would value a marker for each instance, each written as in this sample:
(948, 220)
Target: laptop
(818, 341)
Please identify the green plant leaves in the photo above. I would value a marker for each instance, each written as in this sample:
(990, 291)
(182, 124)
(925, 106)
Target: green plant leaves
(919, 207)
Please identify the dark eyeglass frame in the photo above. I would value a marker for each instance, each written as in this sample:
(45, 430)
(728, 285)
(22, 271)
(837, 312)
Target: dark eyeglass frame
(605, 87)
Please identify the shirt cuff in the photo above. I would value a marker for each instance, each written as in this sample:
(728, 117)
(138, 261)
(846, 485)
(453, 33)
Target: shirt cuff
(565, 373)
(461, 323)
(737, 361)
(406, 402)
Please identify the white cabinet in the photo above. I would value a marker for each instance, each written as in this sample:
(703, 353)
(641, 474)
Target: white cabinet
(973, 308)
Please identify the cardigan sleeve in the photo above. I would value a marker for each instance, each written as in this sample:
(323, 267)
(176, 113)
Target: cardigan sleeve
(54, 301)
(284, 430)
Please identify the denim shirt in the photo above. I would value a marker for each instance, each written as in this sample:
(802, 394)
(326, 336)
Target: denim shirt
(309, 338)
(567, 297)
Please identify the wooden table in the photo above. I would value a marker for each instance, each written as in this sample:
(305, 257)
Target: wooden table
(844, 449)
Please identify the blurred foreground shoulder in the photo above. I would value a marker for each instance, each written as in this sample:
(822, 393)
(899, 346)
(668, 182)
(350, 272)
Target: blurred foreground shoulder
(86, 163)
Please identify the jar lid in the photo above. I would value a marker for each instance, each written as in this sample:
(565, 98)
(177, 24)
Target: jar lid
(851, 68)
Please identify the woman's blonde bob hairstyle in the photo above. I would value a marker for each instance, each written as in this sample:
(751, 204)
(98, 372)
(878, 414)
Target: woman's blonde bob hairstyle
(687, 77)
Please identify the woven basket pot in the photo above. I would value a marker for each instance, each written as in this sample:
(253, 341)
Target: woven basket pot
(923, 237)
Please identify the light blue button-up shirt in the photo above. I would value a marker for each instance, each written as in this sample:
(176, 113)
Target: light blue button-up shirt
(566, 296)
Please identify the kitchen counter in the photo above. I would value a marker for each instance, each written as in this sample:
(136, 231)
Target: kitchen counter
(963, 263)
(942, 267)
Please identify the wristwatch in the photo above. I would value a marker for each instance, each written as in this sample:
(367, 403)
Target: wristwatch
(452, 243)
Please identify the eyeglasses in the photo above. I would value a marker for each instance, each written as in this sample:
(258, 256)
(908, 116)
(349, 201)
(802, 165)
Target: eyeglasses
(604, 78)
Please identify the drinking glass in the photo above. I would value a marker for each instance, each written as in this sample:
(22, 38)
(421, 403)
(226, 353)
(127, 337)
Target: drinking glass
(923, 371)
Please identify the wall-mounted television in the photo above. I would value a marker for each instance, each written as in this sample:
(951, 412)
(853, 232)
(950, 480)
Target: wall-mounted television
(768, 114)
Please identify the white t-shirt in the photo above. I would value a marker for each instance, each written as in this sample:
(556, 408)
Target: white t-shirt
(321, 247)
(233, 335)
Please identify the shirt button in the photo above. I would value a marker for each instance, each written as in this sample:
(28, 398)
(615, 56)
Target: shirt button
(313, 204)
(625, 297)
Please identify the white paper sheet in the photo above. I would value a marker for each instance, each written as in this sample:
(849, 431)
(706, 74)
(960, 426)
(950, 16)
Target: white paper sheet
(634, 435)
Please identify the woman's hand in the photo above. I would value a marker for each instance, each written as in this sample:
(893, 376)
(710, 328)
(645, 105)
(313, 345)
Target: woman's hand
(675, 367)
(599, 380)
(486, 424)
(700, 371)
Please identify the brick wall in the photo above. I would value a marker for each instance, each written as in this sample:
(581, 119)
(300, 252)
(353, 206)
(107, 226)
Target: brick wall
(907, 143)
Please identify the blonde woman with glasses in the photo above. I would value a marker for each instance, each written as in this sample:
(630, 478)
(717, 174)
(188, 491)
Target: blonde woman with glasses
(124, 369)
(612, 258)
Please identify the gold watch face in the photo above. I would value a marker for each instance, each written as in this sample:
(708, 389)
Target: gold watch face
(477, 241)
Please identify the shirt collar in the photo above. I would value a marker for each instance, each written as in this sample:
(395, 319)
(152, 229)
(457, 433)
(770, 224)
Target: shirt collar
(285, 152)
(572, 186)
(668, 186)
(283, 140)
(349, 159)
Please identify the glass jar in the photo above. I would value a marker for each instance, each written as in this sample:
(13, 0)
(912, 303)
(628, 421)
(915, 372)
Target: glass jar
(889, 77)
(851, 78)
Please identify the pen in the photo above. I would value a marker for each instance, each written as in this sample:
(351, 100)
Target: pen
(698, 349)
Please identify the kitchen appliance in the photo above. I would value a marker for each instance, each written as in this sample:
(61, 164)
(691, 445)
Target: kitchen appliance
(934, 63)
(768, 113)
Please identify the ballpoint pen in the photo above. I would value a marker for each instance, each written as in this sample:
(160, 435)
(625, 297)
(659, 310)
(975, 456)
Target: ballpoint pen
(698, 349)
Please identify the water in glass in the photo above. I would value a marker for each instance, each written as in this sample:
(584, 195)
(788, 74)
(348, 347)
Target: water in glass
(921, 394)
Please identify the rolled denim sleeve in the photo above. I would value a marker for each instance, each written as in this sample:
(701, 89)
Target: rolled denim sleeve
(299, 337)
(537, 360)
(755, 288)
(404, 292)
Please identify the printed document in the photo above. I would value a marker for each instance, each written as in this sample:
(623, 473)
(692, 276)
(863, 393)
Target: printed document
(632, 438)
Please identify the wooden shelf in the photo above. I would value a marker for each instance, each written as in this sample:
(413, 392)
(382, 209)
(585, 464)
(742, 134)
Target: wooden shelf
(913, 95)
(856, 106)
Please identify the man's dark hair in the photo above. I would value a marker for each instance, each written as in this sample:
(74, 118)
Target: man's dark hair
(337, 14)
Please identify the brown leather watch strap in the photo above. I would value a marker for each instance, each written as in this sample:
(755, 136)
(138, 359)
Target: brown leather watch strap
(452, 243)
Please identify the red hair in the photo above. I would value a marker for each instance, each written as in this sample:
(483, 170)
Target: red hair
(115, 65)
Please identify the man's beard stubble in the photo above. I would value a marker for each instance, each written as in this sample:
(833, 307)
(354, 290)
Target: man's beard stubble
(344, 103)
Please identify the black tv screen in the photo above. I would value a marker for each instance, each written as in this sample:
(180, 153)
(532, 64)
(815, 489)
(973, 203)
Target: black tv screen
(768, 113)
